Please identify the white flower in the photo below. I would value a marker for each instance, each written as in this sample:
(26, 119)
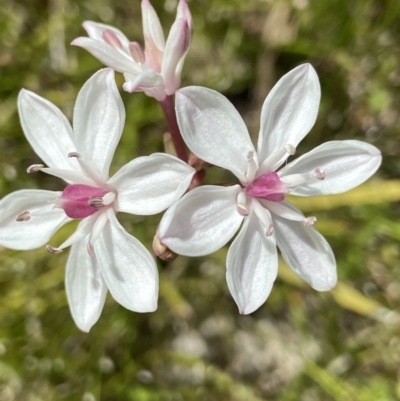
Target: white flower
(103, 255)
(207, 217)
(156, 70)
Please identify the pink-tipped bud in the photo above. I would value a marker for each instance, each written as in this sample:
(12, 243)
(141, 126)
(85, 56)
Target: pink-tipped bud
(111, 39)
(184, 12)
(137, 53)
(158, 247)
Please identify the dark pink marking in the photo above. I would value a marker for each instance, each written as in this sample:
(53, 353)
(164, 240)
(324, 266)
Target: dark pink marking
(75, 200)
(268, 187)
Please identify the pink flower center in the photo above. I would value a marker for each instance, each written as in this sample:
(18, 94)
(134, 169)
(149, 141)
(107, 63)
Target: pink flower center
(268, 186)
(79, 201)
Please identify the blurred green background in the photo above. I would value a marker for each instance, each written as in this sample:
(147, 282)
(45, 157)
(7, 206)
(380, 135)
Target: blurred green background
(301, 345)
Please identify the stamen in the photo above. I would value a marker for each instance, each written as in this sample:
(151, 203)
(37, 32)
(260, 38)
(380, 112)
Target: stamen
(74, 154)
(137, 53)
(34, 168)
(250, 156)
(96, 202)
(24, 216)
(274, 160)
(252, 166)
(53, 250)
(241, 204)
(264, 215)
(109, 198)
(90, 249)
(319, 173)
(290, 149)
(309, 221)
(111, 39)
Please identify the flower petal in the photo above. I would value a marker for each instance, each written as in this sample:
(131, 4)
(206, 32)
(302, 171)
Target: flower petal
(289, 111)
(39, 225)
(128, 269)
(99, 118)
(85, 287)
(203, 221)
(346, 164)
(108, 55)
(252, 265)
(95, 31)
(175, 51)
(306, 252)
(150, 184)
(146, 79)
(213, 129)
(47, 130)
(152, 29)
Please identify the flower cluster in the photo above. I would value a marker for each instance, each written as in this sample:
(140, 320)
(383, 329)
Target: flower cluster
(199, 219)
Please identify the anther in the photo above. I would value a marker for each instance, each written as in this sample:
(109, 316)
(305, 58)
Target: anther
(24, 216)
(96, 202)
(309, 221)
(270, 230)
(90, 249)
(250, 156)
(74, 154)
(241, 204)
(34, 168)
(319, 173)
(53, 250)
(290, 149)
(242, 209)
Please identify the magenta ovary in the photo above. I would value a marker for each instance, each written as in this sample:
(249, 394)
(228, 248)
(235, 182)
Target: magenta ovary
(77, 200)
(268, 186)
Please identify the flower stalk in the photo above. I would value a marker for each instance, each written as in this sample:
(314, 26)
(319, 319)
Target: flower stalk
(169, 110)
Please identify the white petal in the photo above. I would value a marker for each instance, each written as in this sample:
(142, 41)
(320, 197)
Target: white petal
(203, 221)
(150, 184)
(85, 287)
(213, 129)
(146, 79)
(152, 30)
(99, 118)
(175, 51)
(95, 31)
(252, 265)
(47, 130)
(346, 164)
(289, 111)
(128, 269)
(43, 223)
(306, 252)
(118, 60)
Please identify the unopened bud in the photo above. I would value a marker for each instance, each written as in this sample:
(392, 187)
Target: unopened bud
(158, 247)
